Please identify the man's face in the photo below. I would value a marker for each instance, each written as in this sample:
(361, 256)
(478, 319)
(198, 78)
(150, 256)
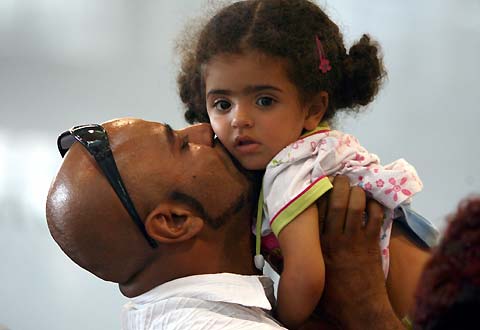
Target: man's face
(87, 219)
(186, 161)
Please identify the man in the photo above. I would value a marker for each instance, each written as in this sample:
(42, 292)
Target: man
(186, 258)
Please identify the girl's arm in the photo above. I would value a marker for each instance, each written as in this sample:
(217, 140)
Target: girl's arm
(303, 277)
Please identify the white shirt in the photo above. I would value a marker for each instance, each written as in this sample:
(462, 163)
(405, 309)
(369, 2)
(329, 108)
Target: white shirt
(212, 301)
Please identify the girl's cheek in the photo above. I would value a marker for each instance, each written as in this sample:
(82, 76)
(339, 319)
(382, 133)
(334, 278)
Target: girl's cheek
(219, 131)
(219, 126)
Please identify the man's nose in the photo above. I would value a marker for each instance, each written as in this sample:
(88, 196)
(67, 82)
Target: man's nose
(199, 134)
(242, 117)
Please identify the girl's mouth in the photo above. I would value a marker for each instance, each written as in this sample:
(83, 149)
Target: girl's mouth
(246, 144)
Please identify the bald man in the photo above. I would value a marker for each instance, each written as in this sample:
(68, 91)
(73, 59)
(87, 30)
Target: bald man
(178, 240)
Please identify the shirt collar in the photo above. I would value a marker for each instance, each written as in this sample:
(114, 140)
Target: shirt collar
(246, 290)
(322, 127)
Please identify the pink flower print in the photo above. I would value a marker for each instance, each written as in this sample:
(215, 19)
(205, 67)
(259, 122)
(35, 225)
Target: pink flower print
(372, 168)
(368, 186)
(290, 157)
(359, 158)
(360, 178)
(379, 183)
(397, 188)
(385, 252)
(347, 141)
(297, 143)
(322, 145)
(339, 144)
(313, 145)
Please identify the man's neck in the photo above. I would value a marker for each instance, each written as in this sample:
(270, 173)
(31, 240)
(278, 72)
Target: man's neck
(177, 264)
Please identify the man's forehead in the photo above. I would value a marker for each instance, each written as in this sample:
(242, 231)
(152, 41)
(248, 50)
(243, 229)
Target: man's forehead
(133, 130)
(122, 123)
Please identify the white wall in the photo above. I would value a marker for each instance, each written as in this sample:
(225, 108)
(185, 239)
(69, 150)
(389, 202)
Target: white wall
(70, 62)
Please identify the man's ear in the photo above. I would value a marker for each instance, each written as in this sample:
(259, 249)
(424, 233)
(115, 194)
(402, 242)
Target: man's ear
(171, 222)
(316, 110)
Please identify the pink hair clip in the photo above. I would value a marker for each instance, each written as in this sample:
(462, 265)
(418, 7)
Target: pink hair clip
(324, 65)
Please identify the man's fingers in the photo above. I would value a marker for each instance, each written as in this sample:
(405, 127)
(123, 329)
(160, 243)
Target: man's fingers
(337, 205)
(356, 210)
(322, 211)
(375, 214)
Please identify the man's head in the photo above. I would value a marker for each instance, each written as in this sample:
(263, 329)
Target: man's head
(192, 199)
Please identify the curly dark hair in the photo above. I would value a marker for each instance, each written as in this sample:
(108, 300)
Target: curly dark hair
(284, 29)
(448, 295)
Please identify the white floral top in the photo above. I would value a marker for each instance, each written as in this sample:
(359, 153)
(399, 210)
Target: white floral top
(298, 175)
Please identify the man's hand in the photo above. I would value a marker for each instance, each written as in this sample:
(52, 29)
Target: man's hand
(355, 295)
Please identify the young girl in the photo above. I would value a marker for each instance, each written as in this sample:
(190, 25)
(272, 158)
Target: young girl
(269, 75)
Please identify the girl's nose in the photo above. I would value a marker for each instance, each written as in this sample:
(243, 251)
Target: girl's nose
(242, 118)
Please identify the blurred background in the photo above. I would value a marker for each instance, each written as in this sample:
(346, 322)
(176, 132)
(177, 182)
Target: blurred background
(80, 61)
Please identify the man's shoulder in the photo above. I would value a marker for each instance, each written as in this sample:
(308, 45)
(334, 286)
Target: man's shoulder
(209, 301)
(191, 313)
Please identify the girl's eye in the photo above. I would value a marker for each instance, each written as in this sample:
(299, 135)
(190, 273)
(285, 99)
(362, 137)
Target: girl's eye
(265, 101)
(222, 105)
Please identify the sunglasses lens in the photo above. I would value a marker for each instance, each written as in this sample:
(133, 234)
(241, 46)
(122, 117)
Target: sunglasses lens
(66, 142)
(90, 134)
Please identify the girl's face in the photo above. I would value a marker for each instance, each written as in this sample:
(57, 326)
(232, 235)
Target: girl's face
(253, 107)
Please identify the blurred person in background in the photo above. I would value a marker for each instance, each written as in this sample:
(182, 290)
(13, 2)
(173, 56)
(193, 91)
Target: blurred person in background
(448, 295)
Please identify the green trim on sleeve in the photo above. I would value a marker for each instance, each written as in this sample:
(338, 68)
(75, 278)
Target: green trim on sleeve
(258, 230)
(323, 126)
(300, 204)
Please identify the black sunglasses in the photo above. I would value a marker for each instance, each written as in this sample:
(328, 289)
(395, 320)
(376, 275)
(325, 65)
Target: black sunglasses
(94, 138)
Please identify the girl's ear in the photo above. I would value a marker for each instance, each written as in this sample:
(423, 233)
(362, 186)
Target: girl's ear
(172, 222)
(316, 111)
